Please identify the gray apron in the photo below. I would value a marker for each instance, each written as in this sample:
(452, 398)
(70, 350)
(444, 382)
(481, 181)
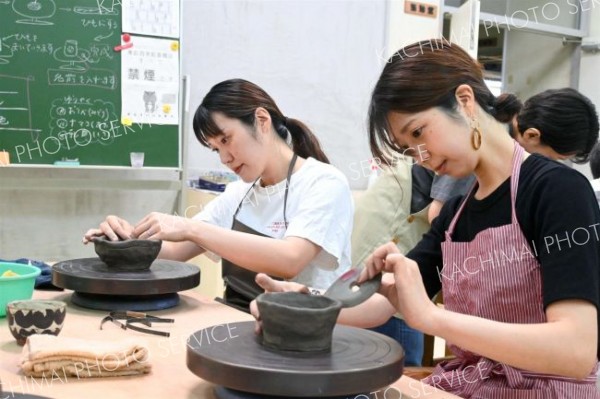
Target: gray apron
(240, 285)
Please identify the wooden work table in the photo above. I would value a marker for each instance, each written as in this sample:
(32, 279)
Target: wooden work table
(170, 377)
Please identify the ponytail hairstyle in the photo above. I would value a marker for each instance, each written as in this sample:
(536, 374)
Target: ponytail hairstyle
(567, 121)
(425, 75)
(239, 99)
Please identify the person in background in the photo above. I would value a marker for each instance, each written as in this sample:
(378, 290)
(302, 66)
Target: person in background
(289, 216)
(559, 123)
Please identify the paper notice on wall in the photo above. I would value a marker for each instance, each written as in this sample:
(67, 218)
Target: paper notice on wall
(151, 17)
(150, 81)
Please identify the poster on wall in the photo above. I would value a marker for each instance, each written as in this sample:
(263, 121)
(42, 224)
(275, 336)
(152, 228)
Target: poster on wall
(150, 81)
(151, 17)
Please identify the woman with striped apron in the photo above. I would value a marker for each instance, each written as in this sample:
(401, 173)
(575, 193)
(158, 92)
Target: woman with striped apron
(520, 255)
(476, 293)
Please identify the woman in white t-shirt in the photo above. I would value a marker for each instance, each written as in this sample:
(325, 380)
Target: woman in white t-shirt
(290, 215)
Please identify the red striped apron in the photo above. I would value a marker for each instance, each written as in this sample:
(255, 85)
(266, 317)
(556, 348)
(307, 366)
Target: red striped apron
(497, 277)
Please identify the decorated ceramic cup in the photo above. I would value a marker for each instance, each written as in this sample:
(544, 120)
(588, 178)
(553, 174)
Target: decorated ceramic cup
(34, 316)
(292, 321)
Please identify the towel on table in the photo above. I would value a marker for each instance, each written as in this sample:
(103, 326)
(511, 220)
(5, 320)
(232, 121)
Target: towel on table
(49, 355)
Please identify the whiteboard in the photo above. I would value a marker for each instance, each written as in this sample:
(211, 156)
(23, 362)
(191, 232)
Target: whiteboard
(319, 60)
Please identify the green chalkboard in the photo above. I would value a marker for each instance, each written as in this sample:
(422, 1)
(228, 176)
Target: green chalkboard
(60, 87)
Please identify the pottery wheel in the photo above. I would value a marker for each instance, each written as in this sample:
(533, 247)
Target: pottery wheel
(97, 286)
(384, 393)
(230, 355)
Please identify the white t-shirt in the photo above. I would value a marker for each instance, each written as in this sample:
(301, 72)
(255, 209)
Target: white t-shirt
(319, 209)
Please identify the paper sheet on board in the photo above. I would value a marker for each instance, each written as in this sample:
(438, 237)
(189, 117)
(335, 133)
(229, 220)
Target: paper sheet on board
(151, 17)
(150, 81)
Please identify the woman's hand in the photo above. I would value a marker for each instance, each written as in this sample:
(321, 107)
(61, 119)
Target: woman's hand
(406, 291)
(412, 300)
(160, 226)
(113, 227)
(375, 263)
(271, 285)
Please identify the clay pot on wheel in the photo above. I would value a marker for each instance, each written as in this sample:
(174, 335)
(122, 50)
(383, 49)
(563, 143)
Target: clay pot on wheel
(292, 321)
(127, 255)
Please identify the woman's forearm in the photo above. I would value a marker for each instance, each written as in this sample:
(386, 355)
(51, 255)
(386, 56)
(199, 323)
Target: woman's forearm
(372, 313)
(179, 251)
(565, 345)
(280, 258)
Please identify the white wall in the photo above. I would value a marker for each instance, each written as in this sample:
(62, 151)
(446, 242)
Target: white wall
(535, 63)
(48, 224)
(405, 29)
(318, 59)
(589, 84)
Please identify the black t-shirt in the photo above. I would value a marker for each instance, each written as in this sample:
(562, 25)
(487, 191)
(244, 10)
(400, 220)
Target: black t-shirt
(559, 216)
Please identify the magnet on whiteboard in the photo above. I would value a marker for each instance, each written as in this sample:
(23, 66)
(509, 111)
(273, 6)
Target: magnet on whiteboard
(123, 46)
(4, 158)
(167, 108)
(175, 46)
(125, 121)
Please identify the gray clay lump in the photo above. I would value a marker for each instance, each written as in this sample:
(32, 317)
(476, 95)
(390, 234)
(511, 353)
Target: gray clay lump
(292, 321)
(127, 255)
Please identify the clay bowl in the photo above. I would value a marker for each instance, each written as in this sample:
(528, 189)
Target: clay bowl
(292, 321)
(127, 255)
(32, 316)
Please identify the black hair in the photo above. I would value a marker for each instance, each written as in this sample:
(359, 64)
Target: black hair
(239, 99)
(425, 75)
(567, 121)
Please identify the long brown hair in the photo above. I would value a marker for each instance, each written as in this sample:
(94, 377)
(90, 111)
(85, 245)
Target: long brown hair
(239, 99)
(425, 75)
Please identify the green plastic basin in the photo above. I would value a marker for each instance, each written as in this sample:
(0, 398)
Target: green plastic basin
(16, 287)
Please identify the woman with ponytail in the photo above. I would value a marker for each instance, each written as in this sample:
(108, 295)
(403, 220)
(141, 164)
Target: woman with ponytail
(520, 295)
(517, 258)
(290, 215)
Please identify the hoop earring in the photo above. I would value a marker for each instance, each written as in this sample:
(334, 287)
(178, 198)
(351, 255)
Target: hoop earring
(476, 138)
